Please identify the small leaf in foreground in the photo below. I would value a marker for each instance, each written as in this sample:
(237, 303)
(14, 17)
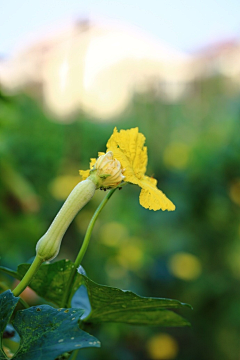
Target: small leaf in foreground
(47, 332)
(8, 303)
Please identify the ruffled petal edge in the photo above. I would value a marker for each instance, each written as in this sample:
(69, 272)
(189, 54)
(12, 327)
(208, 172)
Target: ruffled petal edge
(152, 198)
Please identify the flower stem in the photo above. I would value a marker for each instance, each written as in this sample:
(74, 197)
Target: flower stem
(37, 262)
(84, 247)
(23, 302)
(90, 229)
(75, 354)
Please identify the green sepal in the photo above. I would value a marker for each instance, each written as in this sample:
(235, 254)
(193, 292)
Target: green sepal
(104, 176)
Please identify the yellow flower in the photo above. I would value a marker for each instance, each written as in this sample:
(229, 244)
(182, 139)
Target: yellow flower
(127, 146)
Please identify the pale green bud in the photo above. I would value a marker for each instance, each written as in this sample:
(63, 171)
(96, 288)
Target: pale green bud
(107, 172)
(48, 246)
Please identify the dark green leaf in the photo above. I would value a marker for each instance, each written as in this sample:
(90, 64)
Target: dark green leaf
(7, 305)
(115, 305)
(50, 280)
(47, 332)
(108, 304)
(10, 272)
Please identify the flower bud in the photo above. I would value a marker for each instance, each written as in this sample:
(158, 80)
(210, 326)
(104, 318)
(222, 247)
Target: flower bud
(107, 172)
(48, 246)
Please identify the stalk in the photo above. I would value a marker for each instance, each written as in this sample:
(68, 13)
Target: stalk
(84, 247)
(37, 262)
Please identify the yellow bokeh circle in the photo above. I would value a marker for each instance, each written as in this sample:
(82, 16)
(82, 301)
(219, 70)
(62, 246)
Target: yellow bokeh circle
(185, 266)
(176, 155)
(162, 347)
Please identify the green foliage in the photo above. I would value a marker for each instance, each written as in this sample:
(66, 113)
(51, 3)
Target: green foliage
(45, 332)
(205, 223)
(114, 305)
(7, 305)
(108, 304)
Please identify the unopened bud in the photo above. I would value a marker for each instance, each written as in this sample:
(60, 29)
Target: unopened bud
(107, 172)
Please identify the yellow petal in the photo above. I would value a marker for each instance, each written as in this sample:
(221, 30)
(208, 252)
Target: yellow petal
(141, 158)
(100, 153)
(127, 147)
(126, 165)
(84, 174)
(92, 162)
(151, 197)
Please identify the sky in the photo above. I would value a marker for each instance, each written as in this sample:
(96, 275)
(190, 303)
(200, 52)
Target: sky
(186, 25)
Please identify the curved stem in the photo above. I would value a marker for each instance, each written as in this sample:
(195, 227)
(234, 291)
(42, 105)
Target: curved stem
(84, 247)
(90, 229)
(75, 354)
(23, 302)
(37, 262)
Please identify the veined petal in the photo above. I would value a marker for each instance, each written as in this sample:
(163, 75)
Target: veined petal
(141, 158)
(127, 147)
(152, 198)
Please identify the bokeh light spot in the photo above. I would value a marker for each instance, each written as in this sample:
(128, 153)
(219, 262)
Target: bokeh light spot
(234, 191)
(114, 270)
(176, 155)
(185, 266)
(131, 256)
(233, 259)
(162, 347)
(61, 186)
(112, 233)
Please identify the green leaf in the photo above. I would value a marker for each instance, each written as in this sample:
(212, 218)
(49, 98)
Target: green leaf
(50, 280)
(8, 303)
(107, 304)
(114, 305)
(10, 272)
(45, 332)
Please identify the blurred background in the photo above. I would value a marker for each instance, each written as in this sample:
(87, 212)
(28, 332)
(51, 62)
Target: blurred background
(69, 73)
